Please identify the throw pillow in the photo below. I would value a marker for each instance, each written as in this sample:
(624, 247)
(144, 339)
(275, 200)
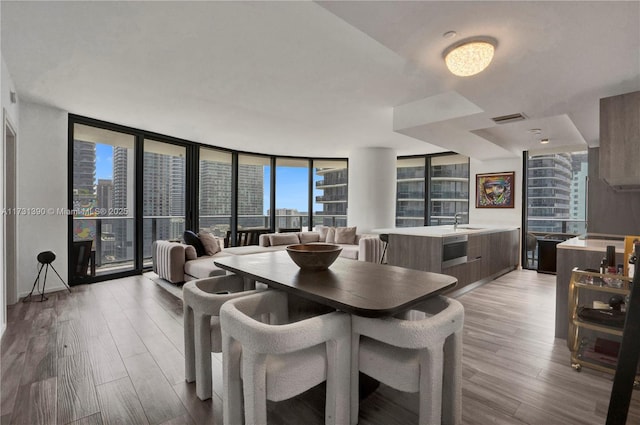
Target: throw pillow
(346, 235)
(322, 230)
(283, 239)
(307, 237)
(331, 235)
(210, 243)
(191, 238)
(190, 253)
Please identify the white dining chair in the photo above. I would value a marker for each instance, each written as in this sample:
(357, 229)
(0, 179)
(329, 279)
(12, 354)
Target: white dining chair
(202, 300)
(420, 352)
(279, 360)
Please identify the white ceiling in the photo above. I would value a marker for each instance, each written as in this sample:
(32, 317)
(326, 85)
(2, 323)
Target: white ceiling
(320, 79)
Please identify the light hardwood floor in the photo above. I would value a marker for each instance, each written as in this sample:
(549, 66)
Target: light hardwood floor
(112, 352)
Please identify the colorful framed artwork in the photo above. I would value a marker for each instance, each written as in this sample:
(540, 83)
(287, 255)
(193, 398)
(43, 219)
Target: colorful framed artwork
(495, 190)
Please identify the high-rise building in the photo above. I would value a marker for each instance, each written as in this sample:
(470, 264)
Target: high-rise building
(163, 198)
(578, 204)
(410, 192)
(287, 218)
(334, 186)
(251, 196)
(121, 227)
(449, 194)
(105, 194)
(215, 197)
(84, 174)
(549, 192)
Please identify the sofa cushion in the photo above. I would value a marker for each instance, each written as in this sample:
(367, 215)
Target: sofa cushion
(203, 267)
(346, 235)
(191, 238)
(349, 251)
(322, 231)
(252, 249)
(308, 237)
(210, 243)
(190, 253)
(283, 239)
(331, 235)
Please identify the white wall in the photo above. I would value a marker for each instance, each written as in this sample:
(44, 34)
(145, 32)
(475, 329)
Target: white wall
(42, 183)
(7, 87)
(372, 189)
(10, 113)
(503, 216)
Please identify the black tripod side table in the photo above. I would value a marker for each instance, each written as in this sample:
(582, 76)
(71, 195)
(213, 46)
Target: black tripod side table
(45, 258)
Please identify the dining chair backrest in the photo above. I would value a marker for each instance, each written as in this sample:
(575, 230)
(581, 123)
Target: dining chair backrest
(202, 300)
(266, 358)
(422, 354)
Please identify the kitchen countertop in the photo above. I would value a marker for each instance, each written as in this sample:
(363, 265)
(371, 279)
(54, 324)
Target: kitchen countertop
(599, 243)
(446, 230)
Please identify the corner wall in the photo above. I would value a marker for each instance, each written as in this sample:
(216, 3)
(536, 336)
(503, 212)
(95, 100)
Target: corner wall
(42, 176)
(10, 113)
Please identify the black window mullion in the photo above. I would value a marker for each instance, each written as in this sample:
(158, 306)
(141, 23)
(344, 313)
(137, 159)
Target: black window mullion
(192, 191)
(272, 201)
(310, 203)
(139, 202)
(525, 210)
(234, 197)
(427, 191)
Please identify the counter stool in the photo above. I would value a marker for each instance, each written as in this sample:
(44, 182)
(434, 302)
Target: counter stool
(281, 360)
(421, 354)
(202, 301)
(384, 237)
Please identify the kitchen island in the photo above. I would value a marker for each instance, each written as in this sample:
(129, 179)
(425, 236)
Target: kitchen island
(583, 252)
(474, 254)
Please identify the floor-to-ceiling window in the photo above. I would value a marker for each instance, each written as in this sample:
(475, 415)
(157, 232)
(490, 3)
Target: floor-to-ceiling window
(556, 193)
(163, 193)
(292, 193)
(103, 194)
(330, 191)
(449, 189)
(410, 192)
(556, 189)
(254, 191)
(215, 200)
(130, 187)
(439, 183)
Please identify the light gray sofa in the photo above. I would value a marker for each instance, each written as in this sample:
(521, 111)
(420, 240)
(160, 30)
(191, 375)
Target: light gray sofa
(170, 262)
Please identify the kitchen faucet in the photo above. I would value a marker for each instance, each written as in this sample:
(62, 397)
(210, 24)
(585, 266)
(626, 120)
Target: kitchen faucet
(456, 220)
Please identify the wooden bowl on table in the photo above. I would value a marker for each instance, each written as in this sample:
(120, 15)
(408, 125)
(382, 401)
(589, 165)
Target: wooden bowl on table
(314, 256)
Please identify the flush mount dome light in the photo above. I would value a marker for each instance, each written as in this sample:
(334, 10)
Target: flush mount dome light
(469, 56)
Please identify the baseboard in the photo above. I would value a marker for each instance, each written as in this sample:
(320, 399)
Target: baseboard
(46, 291)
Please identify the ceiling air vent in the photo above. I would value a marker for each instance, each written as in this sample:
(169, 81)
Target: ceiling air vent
(509, 118)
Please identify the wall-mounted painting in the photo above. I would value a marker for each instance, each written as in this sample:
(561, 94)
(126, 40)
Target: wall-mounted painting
(495, 190)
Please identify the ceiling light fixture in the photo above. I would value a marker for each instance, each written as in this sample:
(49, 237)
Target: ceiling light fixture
(469, 56)
(544, 141)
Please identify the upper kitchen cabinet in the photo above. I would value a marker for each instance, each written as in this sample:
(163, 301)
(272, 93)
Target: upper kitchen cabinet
(620, 141)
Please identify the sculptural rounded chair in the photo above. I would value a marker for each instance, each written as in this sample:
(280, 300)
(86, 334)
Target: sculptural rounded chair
(421, 352)
(202, 301)
(275, 360)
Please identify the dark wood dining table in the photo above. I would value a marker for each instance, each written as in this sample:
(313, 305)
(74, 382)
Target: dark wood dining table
(355, 287)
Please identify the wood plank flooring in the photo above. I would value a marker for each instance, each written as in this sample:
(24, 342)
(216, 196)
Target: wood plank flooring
(112, 352)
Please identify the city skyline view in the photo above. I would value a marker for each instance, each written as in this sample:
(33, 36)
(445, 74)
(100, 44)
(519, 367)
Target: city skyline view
(290, 193)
